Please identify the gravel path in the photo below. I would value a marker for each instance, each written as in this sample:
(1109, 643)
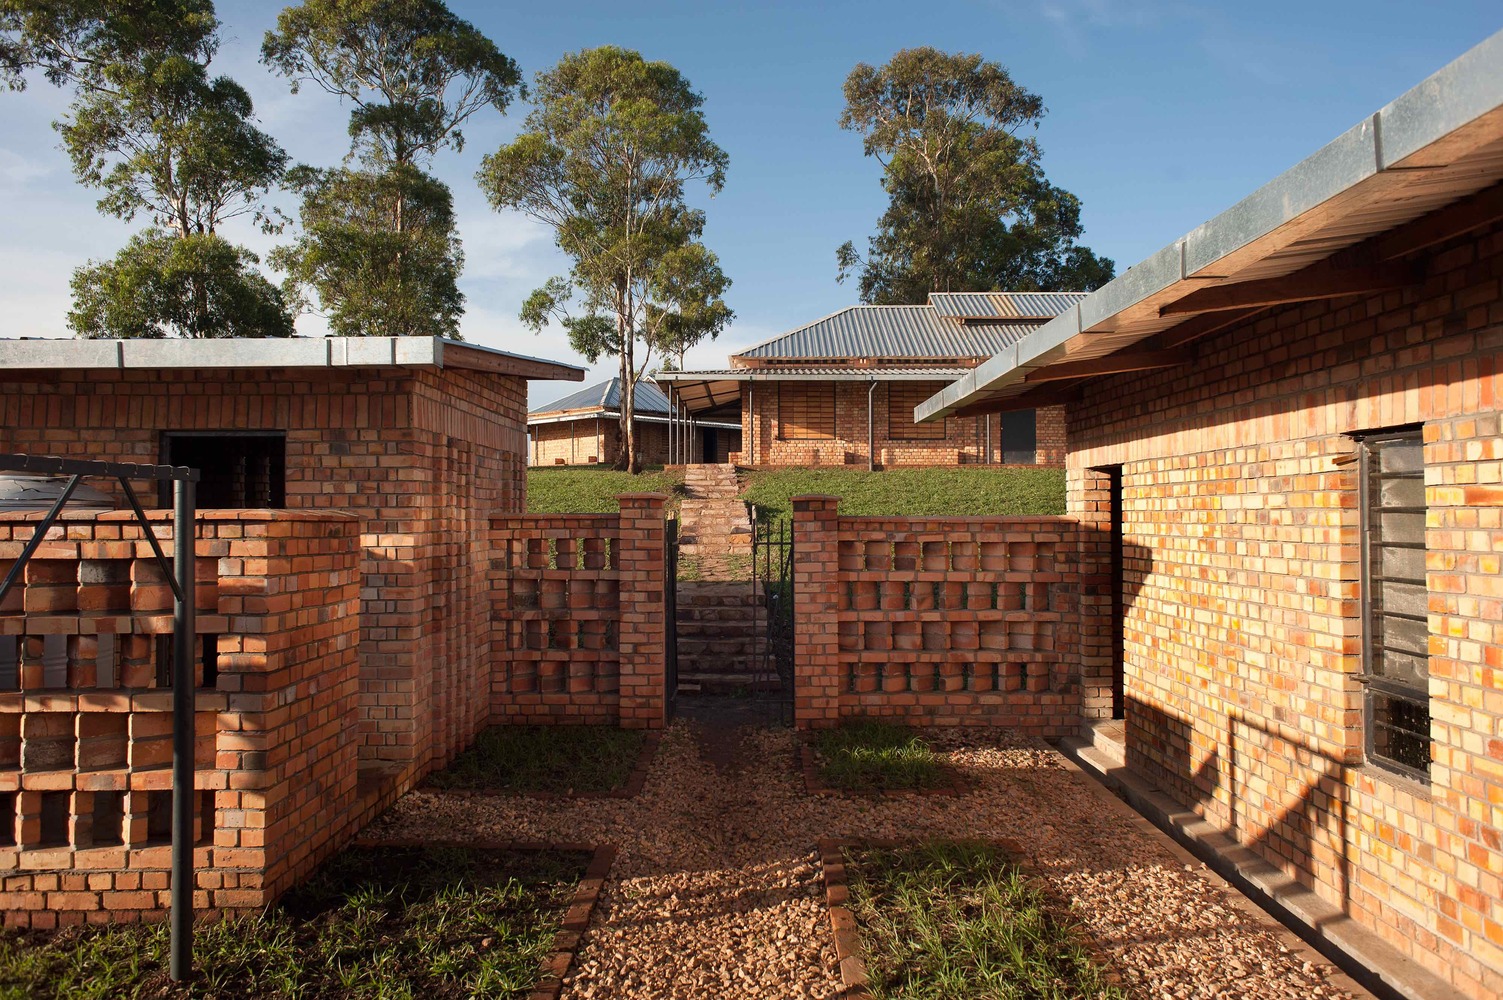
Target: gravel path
(716, 891)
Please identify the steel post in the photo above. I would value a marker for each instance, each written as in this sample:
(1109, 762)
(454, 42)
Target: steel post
(184, 529)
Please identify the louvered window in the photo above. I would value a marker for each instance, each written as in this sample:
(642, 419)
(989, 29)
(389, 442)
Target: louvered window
(806, 411)
(1395, 602)
(902, 397)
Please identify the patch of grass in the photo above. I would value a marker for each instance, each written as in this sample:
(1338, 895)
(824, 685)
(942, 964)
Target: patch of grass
(950, 920)
(870, 756)
(965, 491)
(435, 923)
(544, 759)
(592, 489)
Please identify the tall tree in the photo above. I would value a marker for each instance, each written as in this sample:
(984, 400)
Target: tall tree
(969, 206)
(380, 247)
(161, 137)
(604, 159)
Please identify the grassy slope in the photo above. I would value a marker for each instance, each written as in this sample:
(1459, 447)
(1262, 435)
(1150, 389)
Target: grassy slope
(592, 489)
(913, 492)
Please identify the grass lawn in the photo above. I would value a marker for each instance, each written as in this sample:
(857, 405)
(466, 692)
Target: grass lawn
(434, 923)
(544, 759)
(964, 491)
(870, 756)
(592, 489)
(946, 921)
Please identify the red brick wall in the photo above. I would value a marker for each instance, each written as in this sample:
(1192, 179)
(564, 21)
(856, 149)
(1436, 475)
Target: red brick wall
(277, 758)
(1243, 622)
(965, 440)
(423, 456)
(574, 442)
(578, 609)
(937, 621)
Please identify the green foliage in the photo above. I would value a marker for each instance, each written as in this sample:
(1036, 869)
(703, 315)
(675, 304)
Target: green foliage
(592, 489)
(545, 759)
(604, 159)
(162, 285)
(380, 922)
(413, 70)
(936, 492)
(969, 206)
(870, 756)
(949, 920)
(159, 136)
(374, 278)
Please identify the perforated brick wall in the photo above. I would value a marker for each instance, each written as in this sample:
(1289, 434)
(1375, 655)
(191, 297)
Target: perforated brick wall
(578, 605)
(936, 621)
(86, 722)
(1243, 620)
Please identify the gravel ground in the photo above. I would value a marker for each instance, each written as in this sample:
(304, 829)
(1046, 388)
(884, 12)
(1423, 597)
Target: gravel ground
(716, 891)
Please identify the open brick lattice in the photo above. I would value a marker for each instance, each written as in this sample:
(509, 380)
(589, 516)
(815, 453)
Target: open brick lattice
(86, 721)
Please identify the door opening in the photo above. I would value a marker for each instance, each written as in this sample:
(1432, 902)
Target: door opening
(237, 469)
(1119, 587)
(711, 452)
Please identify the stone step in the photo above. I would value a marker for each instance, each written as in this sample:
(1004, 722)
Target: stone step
(734, 616)
(715, 593)
(723, 646)
(725, 683)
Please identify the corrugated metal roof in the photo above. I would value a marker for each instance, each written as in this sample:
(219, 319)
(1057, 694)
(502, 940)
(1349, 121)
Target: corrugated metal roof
(831, 373)
(891, 332)
(607, 396)
(1003, 305)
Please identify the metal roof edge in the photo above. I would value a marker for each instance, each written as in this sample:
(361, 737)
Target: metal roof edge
(1460, 92)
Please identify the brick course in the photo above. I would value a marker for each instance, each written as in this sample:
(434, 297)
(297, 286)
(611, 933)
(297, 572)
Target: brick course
(1243, 620)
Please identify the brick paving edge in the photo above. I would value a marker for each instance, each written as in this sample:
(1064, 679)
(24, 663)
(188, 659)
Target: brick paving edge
(577, 915)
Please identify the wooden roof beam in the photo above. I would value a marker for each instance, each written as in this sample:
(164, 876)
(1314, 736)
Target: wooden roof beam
(1317, 281)
(1203, 326)
(1112, 364)
(1481, 209)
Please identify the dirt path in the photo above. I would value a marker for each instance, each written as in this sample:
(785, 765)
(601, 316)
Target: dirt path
(716, 891)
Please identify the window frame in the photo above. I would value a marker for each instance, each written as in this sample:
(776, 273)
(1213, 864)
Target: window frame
(1374, 684)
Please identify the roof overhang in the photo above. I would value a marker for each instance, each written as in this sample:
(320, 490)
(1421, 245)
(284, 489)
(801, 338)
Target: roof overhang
(708, 390)
(1294, 239)
(565, 418)
(274, 352)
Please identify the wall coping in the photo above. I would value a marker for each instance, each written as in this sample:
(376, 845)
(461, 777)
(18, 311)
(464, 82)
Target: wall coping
(215, 515)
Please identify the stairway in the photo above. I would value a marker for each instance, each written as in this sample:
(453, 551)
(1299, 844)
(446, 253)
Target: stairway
(719, 605)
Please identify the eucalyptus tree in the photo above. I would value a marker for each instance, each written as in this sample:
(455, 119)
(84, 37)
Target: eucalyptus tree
(969, 207)
(161, 138)
(379, 245)
(605, 159)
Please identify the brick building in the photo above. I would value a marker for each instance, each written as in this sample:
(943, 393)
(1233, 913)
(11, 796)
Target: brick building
(841, 390)
(1285, 429)
(584, 428)
(424, 438)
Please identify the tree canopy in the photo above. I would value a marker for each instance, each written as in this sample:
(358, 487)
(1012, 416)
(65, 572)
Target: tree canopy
(159, 136)
(373, 278)
(604, 159)
(969, 206)
(380, 248)
(413, 70)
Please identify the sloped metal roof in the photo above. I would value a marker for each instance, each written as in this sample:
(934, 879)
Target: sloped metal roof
(829, 373)
(891, 332)
(607, 396)
(1003, 305)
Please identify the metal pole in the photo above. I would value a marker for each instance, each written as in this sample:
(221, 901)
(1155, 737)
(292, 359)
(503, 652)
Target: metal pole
(183, 529)
(871, 435)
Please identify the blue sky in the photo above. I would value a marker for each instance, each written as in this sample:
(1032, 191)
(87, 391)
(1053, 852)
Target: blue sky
(1161, 114)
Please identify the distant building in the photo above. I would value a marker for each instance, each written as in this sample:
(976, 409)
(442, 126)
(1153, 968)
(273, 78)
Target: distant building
(841, 390)
(584, 428)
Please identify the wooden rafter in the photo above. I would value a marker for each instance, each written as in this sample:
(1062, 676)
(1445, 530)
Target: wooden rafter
(1031, 400)
(1481, 209)
(1111, 364)
(1203, 326)
(1318, 281)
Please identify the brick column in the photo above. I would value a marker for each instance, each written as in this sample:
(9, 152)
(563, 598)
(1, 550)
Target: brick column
(1090, 503)
(642, 636)
(816, 607)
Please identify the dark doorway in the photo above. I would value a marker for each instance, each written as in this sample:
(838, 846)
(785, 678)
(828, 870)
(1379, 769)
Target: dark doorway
(1019, 438)
(1119, 587)
(711, 452)
(237, 469)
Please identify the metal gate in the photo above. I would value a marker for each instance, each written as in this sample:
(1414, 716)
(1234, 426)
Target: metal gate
(670, 617)
(772, 576)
